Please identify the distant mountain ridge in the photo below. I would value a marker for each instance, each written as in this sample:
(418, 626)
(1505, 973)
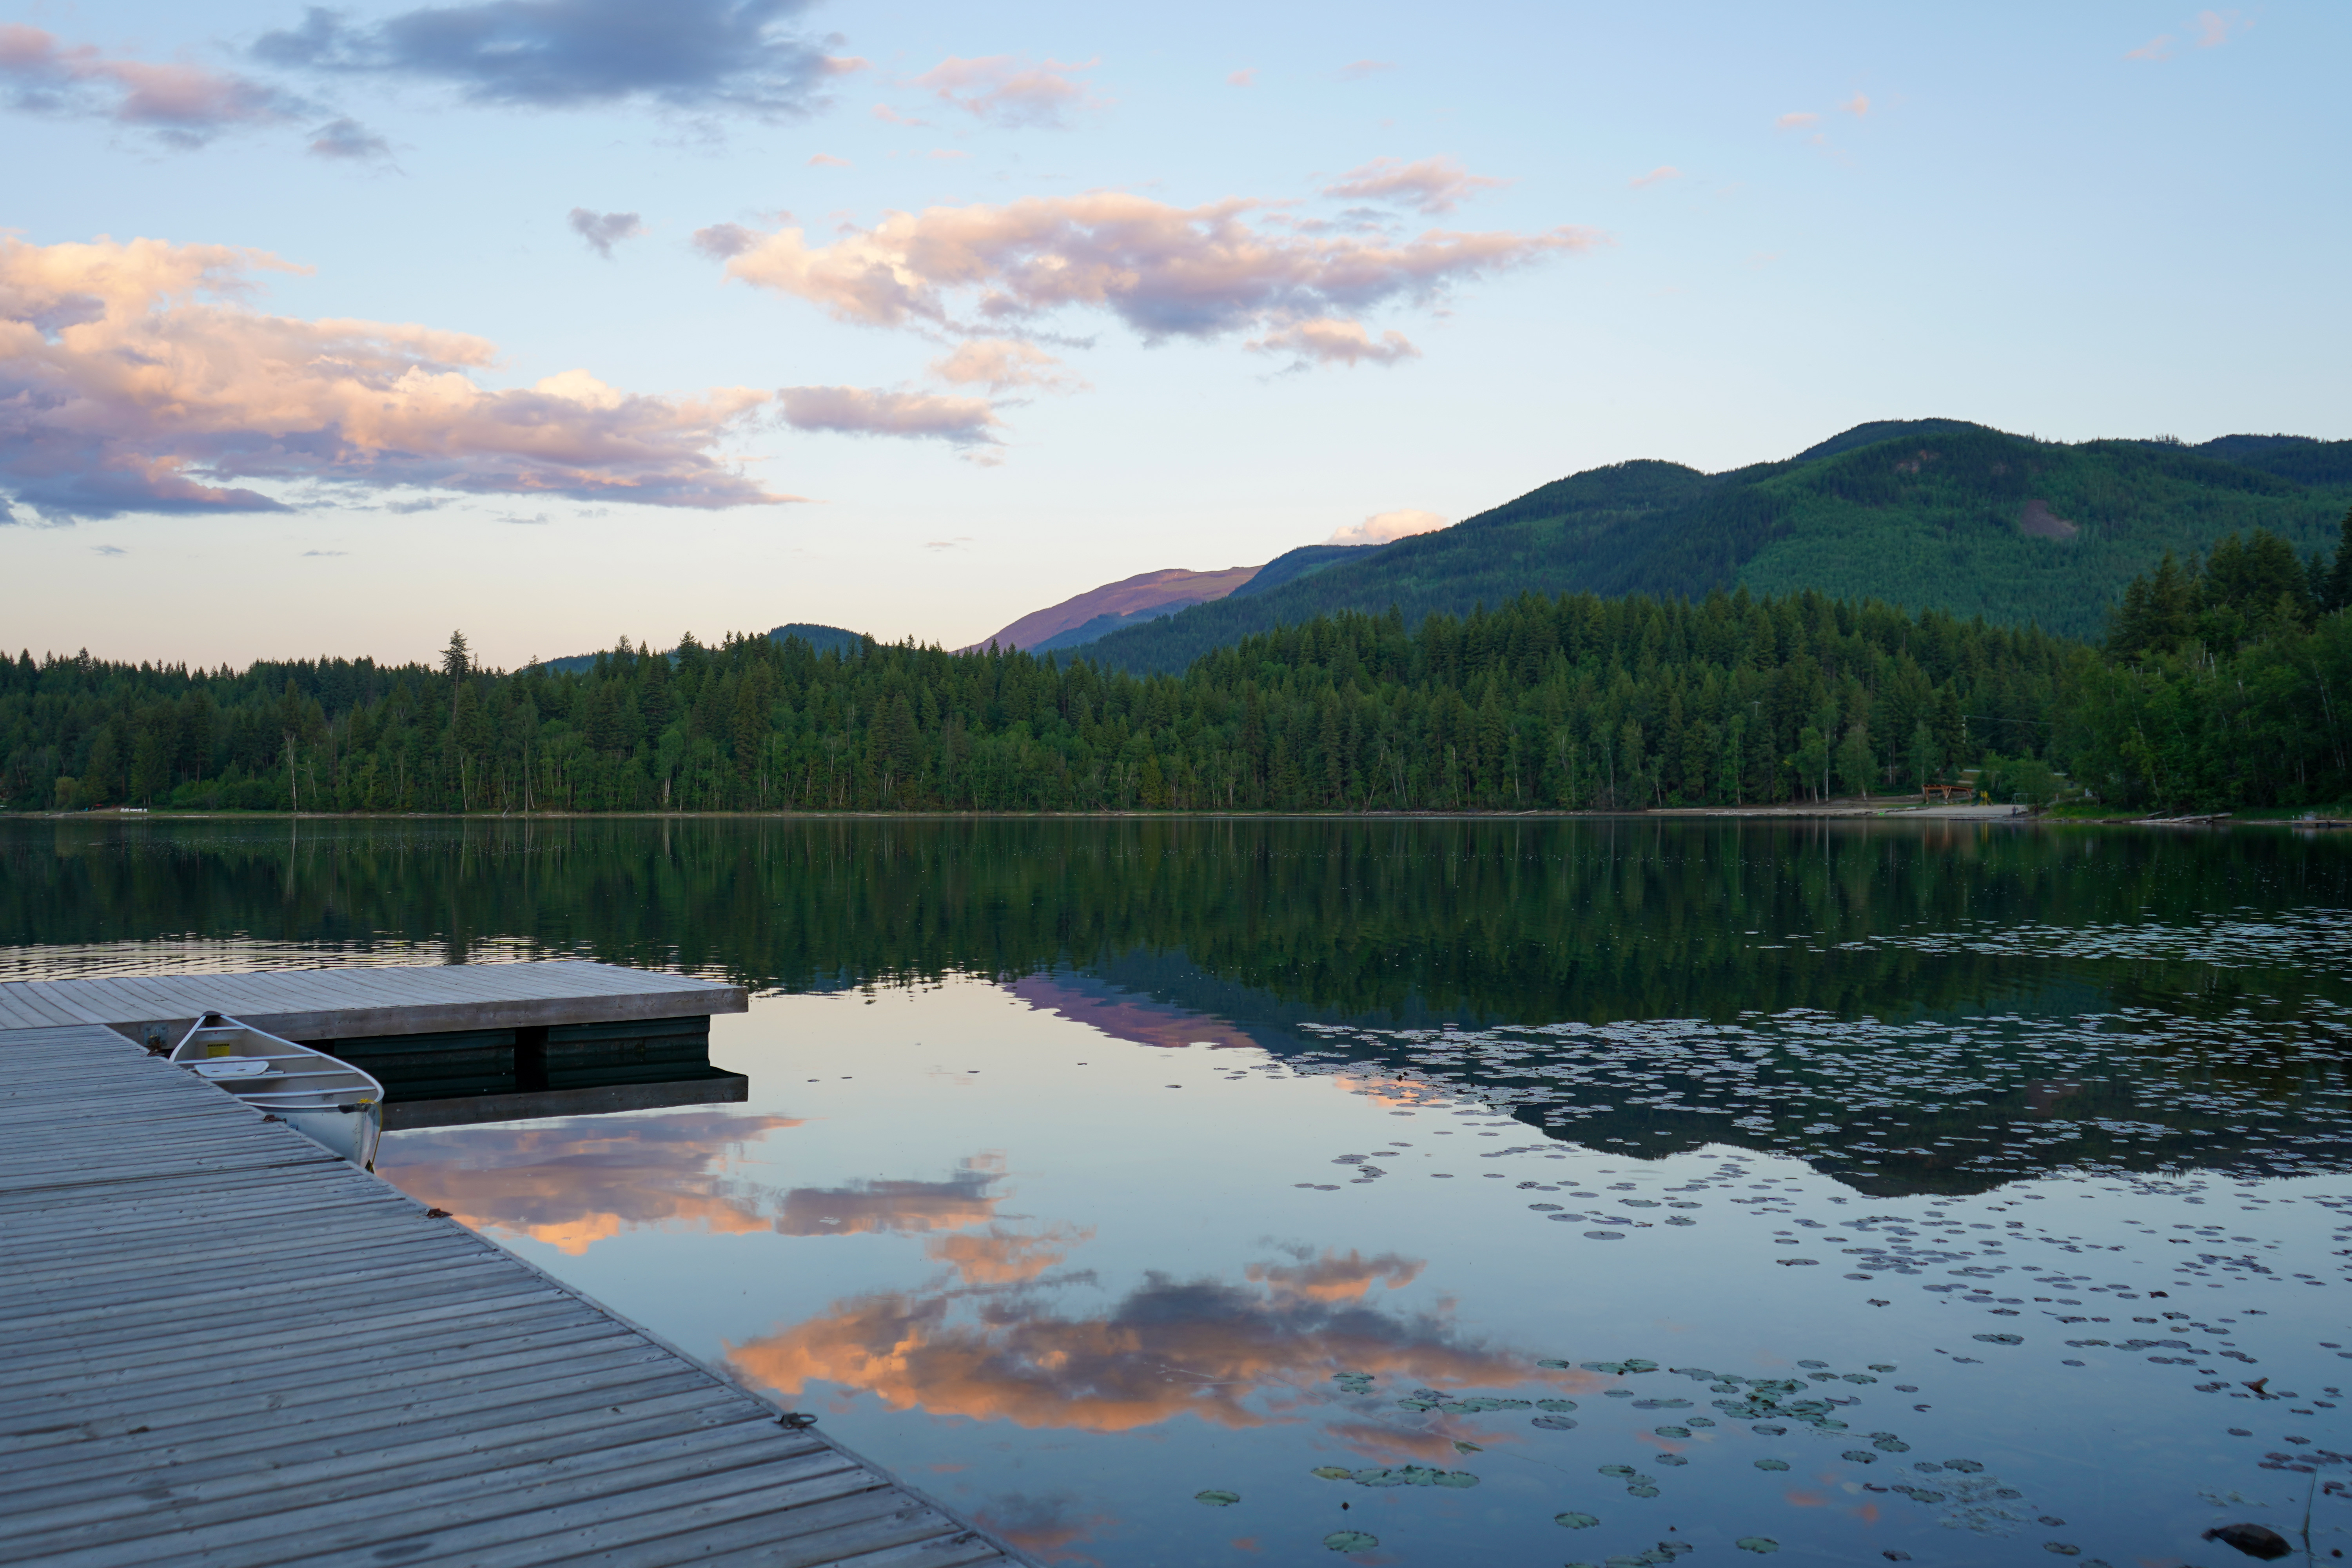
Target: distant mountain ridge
(1305, 561)
(817, 636)
(1926, 514)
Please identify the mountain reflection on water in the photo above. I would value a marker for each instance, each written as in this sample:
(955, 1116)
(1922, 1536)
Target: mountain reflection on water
(1538, 1191)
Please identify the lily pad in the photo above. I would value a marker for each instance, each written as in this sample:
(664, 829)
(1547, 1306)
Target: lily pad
(1859, 1456)
(1674, 1431)
(1757, 1543)
(1216, 1499)
(1617, 1470)
(1558, 1407)
(1331, 1472)
(1554, 1365)
(1771, 1464)
(1574, 1520)
(1554, 1423)
(1645, 1489)
(1350, 1541)
(1966, 1467)
(2000, 1339)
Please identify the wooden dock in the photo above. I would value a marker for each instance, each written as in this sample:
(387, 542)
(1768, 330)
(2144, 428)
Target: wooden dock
(313, 1004)
(220, 1344)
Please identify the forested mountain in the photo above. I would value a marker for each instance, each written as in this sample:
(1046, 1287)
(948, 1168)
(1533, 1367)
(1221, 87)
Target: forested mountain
(1567, 702)
(1926, 514)
(819, 637)
(1145, 597)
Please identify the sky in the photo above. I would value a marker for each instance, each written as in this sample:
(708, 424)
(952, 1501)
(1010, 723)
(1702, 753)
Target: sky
(325, 332)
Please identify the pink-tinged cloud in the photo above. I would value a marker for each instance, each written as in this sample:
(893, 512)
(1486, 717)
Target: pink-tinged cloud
(1243, 77)
(1357, 70)
(843, 65)
(1857, 106)
(1167, 271)
(826, 160)
(1433, 185)
(1658, 176)
(1007, 91)
(1801, 118)
(2214, 28)
(2157, 48)
(890, 116)
(1382, 528)
(860, 411)
(1326, 340)
(1000, 363)
(183, 103)
(133, 378)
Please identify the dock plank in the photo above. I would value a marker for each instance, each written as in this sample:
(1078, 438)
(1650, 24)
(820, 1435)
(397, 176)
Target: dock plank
(421, 1395)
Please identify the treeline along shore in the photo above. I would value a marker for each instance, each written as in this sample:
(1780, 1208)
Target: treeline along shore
(2222, 683)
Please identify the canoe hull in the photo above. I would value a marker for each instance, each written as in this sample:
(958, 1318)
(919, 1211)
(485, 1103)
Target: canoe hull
(325, 1098)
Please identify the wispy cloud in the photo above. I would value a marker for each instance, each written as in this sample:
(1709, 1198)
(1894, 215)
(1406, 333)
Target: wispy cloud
(1658, 176)
(1329, 342)
(826, 160)
(108, 550)
(1005, 90)
(998, 363)
(1433, 185)
(861, 411)
(1243, 77)
(605, 230)
(1357, 70)
(1165, 270)
(186, 105)
(2159, 48)
(307, 554)
(2211, 29)
(347, 139)
(1857, 106)
(1798, 121)
(133, 378)
(1382, 528)
(704, 54)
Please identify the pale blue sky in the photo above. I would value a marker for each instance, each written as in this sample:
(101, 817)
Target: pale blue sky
(1999, 215)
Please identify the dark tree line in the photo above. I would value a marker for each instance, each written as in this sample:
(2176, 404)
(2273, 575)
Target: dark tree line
(1573, 702)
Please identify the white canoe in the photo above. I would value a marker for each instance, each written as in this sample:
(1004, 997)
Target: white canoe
(332, 1102)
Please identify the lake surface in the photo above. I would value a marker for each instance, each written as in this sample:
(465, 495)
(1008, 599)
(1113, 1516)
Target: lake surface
(1432, 1192)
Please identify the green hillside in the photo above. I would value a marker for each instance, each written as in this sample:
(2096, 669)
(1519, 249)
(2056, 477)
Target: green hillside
(1926, 514)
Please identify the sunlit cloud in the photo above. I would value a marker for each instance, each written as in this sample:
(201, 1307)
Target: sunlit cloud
(1658, 176)
(1326, 340)
(995, 1257)
(1231, 1355)
(1798, 121)
(1857, 106)
(1007, 91)
(861, 411)
(1433, 185)
(572, 1183)
(183, 104)
(1357, 70)
(2215, 29)
(1243, 77)
(1164, 270)
(999, 364)
(1383, 527)
(605, 230)
(890, 116)
(133, 378)
(1331, 1278)
(702, 55)
(826, 160)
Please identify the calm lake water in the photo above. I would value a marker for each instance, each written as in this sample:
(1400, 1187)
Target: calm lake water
(1437, 1192)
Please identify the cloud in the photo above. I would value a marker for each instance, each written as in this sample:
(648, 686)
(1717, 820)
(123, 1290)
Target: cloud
(1165, 270)
(1381, 527)
(565, 54)
(1357, 70)
(347, 139)
(1658, 176)
(1433, 185)
(1020, 1361)
(133, 378)
(115, 550)
(1326, 340)
(996, 1259)
(1331, 1278)
(308, 553)
(572, 1183)
(1005, 91)
(827, 160)
(884, 112)
(1243, 77)
(2214, 28)
(2157, 48)
(1798, 121)
(1857, 106)
(604, 230)
(865, 1208)
(186, 105)
(999, 362)
(858, 411)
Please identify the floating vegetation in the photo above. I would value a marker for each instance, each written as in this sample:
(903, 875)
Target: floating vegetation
(1572, 1520)
(1860, 1455)
(1757, 1543)
(2000, 1339)
(1354, 1382)
(1216, 1499)
(1771, 1464)
(1331, 1472)
(1350, 1541)
(1401, 1476)
(1554, 1423)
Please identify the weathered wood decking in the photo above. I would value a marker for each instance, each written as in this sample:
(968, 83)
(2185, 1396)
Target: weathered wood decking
(219, 1344)
(353, 1003)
